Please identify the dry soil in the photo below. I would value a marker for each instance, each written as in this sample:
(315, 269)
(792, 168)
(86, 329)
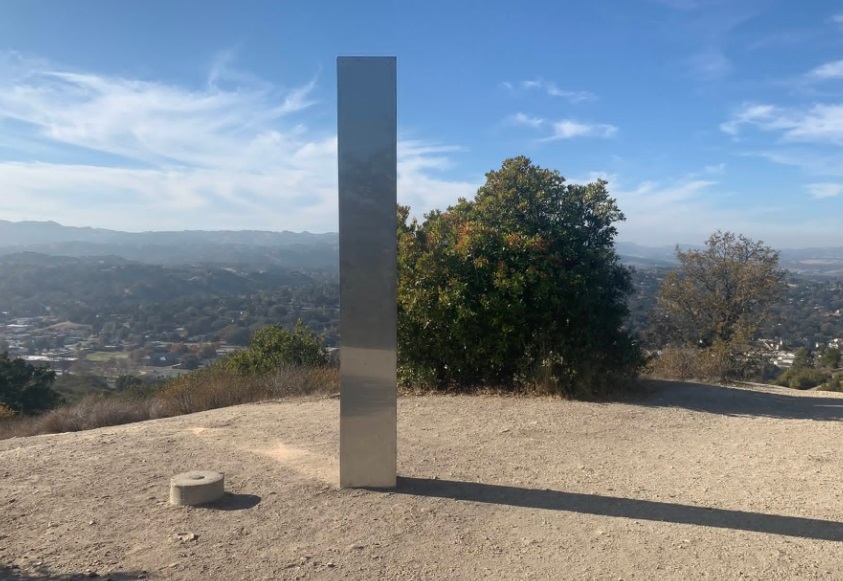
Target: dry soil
(688, 482)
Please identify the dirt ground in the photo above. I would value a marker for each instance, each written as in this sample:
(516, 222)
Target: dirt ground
(689, 482)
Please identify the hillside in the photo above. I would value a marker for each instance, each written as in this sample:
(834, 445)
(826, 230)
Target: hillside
(691, 482)
(292, 249)
(245, 247)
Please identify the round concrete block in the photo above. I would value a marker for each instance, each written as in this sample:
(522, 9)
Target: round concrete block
(197, 487)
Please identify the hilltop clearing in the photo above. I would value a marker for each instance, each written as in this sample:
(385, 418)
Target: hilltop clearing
(689, 482)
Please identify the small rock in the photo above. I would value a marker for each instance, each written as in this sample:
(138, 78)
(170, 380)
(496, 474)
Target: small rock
(355, 547)
(187, 537)
(92, 522)
(330, 565)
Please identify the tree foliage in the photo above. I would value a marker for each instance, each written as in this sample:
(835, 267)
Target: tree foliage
(518, 284)
(25, 388)
(274, 347)
(719, 296)
(831, 358)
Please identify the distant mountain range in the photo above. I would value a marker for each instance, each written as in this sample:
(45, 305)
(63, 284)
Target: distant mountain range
(289, 249)
(808, 261)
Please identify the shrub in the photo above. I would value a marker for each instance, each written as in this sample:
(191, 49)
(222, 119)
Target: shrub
(214, 388)
(274, 347)
(718, 363)
(25, 388)
(833, 384)
(803, 378)
(96, 412)
(194, 392)
(6, 412)
(519, 286)
(678, 363)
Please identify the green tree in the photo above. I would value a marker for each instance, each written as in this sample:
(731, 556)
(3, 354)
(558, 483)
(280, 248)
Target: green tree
(519, 285)
(235, 335)
(128, 382)
(25, 388)
(189, 361)
(802, 359)
(273, 347)
(831, 358)
(718, 298)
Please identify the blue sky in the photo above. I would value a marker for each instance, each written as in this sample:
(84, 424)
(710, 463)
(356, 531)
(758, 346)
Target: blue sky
(160, 115)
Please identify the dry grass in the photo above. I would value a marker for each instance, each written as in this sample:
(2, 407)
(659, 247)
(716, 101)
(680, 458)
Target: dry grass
(714, 364)
(195, 392)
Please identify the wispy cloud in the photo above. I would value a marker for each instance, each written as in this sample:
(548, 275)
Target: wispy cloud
(552, 90)
(828, 71)
(747, 114)
(236, 153)
(688, 209)
(568, 129)
(837, 18)
(821, 124)
(523, 119)
(825, 190)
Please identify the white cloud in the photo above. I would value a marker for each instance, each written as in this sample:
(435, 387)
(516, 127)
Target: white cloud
(554, 91)
(236, 153)
(522, 119)
(716, 169)
(747, 114)
(821, 124)
(688, 210)
(837, 18)
(825, 190)
(828, 71)
(568, 129)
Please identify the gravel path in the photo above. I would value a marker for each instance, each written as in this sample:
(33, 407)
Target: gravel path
(690, 482)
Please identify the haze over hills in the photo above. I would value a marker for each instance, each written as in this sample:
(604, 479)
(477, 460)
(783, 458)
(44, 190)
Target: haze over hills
(289, 249)
(250, 247)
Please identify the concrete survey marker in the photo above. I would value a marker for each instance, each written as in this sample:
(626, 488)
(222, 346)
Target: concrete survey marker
(367, 159)
(197, 487)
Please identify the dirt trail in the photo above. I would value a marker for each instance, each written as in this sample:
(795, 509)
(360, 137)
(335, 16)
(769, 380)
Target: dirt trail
(692, 482)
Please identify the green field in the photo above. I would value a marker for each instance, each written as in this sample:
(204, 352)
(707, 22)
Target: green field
(103, 356)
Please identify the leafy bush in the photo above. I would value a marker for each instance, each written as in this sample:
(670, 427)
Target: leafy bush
(519, 286)
(74, 387)
(833, 384)
(274, 347)
(803, 378)
(24, 388)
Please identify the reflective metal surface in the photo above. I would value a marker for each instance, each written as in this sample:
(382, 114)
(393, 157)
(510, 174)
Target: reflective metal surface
(367, 152)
